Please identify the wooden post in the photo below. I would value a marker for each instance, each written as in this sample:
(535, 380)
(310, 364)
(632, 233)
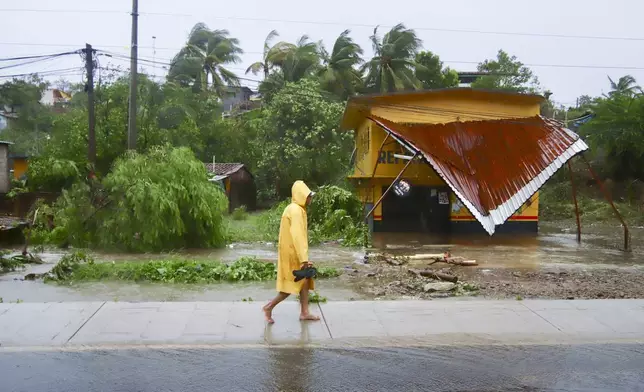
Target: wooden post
(574, 198)
(610, 200)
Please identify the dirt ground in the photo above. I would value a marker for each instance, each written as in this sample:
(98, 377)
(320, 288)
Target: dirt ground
(380, 279)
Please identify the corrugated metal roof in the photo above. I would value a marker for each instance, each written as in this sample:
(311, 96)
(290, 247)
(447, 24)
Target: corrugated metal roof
(493, 166)
(223, 168)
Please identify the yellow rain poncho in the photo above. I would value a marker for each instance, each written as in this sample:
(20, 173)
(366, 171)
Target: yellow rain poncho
(293, 247)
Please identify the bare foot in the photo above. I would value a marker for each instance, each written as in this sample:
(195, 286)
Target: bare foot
(268, 314)
(309, 317)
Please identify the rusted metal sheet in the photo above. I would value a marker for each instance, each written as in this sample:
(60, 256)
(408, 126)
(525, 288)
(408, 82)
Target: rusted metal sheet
(492, 166)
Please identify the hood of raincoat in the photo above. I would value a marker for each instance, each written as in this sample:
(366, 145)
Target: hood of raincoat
(299, 193)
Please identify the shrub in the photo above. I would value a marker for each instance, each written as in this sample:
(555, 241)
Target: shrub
(148, 202)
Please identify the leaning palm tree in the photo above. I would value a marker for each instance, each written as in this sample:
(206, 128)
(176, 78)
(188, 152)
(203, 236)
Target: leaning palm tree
(392, 67)
(338, 74)
(300, 59)
(272, 55)
(626, 85)
(201, 63)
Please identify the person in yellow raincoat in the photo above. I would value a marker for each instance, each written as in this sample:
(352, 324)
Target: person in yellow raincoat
(293, 253)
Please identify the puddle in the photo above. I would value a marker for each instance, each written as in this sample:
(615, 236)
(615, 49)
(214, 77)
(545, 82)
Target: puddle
(554, 246)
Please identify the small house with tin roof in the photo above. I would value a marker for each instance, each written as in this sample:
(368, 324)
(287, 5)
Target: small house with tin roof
(238, 183)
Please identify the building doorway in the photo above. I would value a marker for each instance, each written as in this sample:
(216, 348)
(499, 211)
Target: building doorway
(426, 209)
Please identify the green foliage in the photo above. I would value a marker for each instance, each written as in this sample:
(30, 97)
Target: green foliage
(506, 73)
(429, 70)
(556, 204)
(68, 264)
(338, 73)
(201, 64)
(51, 174)
(149, 202)
(161, 200)
(240, 213)
(12, 263)
(9, 264)
(79, 268)
(393, 66)
(29, 128)
(298, 138)
(626, 85)
(17, 187)
(617, 131)
(315, 298)
(335, 214)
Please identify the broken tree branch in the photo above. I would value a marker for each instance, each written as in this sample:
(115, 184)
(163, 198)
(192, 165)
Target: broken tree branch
(436, 275)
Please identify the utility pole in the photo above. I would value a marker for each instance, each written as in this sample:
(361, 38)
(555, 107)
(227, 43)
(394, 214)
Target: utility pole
(154, 56)
(89, 64)
(131, 131)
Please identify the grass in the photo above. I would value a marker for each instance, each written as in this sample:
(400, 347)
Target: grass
(78, 267)
(556, 204)
(315, 298)
(239, 214)
(248, 230)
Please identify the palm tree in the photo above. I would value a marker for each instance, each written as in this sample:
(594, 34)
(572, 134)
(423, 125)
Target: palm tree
(300, 59)
(626, 85)
(392, 67)
(201, 63)
(272, 56)
(338, 74)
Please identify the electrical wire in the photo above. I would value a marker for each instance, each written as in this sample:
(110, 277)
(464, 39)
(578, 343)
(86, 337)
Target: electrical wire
(54, 72)
(565, 66)
(37, 56)
(346, 24)
(37, 59)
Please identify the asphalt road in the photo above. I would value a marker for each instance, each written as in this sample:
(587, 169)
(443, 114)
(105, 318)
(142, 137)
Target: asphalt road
(607, 367)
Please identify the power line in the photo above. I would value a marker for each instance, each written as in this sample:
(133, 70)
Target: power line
(35, 59)
(53, 72)
(328, 23)
(572, 66)
(36, 56)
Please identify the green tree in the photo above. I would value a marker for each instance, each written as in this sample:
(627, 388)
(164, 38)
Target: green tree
(431, 73)
(506, 73)
(272, 56)
(338, 73)
(301, 60)
(297, 137)
(617, 132)
(626, 85)
(202, 62)
(156, 201)
(393, 65)
(31, 121)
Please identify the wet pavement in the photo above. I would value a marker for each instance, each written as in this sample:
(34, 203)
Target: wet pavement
(605, 367)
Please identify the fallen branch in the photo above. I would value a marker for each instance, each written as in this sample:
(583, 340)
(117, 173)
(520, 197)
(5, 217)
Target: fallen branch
(436, 275)
(443, 258)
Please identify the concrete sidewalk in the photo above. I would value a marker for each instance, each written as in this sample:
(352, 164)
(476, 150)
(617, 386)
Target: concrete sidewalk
(373, 322)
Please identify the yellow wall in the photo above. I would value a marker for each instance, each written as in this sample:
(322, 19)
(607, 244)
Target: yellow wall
(19, 167)
(426, 109)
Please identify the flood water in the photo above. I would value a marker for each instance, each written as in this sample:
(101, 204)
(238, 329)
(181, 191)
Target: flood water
(555, 246)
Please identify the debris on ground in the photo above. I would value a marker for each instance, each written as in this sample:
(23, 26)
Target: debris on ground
(397, 276)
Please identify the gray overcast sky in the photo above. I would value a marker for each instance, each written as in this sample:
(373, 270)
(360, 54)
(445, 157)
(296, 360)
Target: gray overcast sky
(111, 31)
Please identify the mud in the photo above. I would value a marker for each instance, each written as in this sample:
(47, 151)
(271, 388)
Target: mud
(379, 280)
